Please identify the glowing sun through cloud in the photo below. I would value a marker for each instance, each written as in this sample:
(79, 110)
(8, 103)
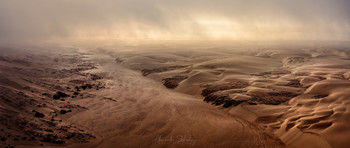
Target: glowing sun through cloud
(218, 28)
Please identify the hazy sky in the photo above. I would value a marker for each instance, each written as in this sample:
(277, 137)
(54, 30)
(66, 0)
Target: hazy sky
(174, 19)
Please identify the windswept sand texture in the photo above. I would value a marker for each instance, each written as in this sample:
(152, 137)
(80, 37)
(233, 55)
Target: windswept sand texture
(210, 95)
(299, 93)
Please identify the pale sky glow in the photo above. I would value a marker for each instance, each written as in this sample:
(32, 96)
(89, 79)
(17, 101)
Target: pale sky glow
(174, 20)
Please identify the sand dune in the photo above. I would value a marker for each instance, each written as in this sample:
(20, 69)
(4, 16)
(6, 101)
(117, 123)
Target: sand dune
(307, 85)
(224, 96)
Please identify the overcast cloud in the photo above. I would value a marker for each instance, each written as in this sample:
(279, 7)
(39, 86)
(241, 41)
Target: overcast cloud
(174, 19)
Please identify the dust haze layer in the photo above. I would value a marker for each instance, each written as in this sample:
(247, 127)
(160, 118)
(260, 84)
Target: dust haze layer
(174, 20)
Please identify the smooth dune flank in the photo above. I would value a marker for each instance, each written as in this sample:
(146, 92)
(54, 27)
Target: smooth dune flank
(288, 94)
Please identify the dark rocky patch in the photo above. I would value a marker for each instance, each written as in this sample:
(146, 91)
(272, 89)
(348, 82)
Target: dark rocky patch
(146, 72)
(252, 103)
(294, 83)
(119, 60)
(295, 60)
(95, 77)
(39, 115)
(77, 81)
(271, 98)
(56, 97)
(59, 95)
(232, 85)
(213, 98)
(89, 86)
(173, 82)
(2, 138)
(302, 74)
(272, 73)
(96, 85)
(231, 102)
(52, 138)
(65, 111)
(80, 68)
(77, 88)
(223, 99)
(274, 98)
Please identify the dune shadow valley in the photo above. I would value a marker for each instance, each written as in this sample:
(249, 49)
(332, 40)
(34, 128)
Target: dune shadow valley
(251, 94)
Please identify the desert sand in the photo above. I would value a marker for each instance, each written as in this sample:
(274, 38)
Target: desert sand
(176, 95)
